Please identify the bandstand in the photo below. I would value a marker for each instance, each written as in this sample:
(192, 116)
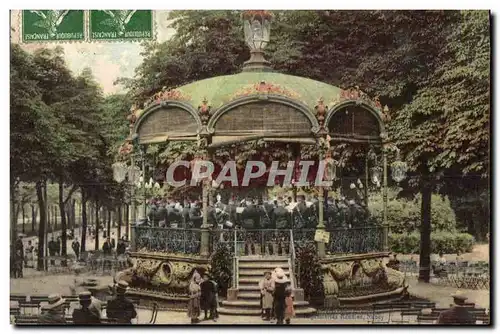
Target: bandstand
(263, 115)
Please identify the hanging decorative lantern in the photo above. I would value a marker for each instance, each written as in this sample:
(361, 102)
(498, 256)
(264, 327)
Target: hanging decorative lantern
(376, 174)
(134, 174)
(330, 169)
(398, 168)
(119, 171)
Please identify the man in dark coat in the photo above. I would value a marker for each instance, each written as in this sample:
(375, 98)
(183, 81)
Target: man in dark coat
(53, 312)
(83, 314)
(160, 218)
(52, 249)
(120, 307)
(195, 215)
(300, 213)
(58, 246)
(208, 296)
(186, 223)
(107, 247)
(281, 216)
(267, 215)
(250, 216)
(75, 245)
(457, 315)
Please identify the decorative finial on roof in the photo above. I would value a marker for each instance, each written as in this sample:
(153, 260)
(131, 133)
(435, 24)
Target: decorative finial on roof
(257, 27)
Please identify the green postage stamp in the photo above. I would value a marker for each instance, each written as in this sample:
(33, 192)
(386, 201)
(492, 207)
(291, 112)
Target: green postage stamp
(120, 24)
(53, 25)
(86, 25)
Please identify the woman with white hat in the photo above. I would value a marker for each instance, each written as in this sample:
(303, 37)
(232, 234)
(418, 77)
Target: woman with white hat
(53, 311)
(281, 283)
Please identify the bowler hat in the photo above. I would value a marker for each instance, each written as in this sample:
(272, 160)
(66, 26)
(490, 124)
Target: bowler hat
(85, 296)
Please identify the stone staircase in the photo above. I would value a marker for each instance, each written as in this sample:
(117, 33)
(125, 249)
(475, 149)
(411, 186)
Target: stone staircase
(246, 299)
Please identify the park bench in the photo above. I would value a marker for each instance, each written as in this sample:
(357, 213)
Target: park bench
(387, 308)
(427, 318)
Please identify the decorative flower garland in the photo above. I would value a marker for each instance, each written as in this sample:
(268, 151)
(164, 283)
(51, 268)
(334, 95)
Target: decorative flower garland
(166, 94)
(265, 88)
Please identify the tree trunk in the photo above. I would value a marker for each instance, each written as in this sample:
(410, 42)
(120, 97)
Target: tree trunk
(96, 209)
(127, 220)
(119, 221)
(109, 223)
(73, 214)
(40, 185)
(22, 208)
(13, 220)
(63, 219)
(84, 221)
(33, 217)
(49, 225)
(425, 233)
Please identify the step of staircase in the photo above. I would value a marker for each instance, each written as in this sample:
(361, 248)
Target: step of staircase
(303, 311)
(248, 295)
(266, 258)
(263, 265)
(248, 288)
(246, 272)
(250, 280)
(256, 303)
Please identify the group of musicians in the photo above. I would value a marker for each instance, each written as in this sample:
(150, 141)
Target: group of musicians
(279, 213)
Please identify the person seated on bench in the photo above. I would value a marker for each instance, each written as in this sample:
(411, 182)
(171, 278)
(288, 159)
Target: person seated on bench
(457, 315)
(393, 261)
(85, 315)
(440, 267)
(53, 312)
(120, 307)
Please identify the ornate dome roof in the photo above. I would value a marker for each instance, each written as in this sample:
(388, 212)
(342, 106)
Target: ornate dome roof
(221, 90)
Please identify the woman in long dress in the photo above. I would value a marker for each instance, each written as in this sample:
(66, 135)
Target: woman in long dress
(194, 298)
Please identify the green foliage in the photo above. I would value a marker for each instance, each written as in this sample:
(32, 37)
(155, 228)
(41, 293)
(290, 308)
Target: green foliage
(446, 242)
(404, 216)
(221, 267)
(310, 273)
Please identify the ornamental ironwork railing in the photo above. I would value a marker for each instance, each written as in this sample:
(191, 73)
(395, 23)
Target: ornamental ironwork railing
(303, 237)
(355, 240)
(169, 240)
(262, 242)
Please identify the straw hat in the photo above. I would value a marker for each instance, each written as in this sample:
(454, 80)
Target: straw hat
(121, 287)
(459, 297)
(55, 300)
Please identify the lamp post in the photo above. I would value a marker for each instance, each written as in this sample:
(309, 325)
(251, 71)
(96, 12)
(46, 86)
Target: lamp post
(120, 172)
(398, 169)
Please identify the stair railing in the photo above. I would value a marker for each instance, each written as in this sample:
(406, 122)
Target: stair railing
(291, 261)
(235, 262)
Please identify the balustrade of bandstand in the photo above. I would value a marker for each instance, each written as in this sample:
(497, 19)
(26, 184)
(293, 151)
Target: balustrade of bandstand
(241, 242)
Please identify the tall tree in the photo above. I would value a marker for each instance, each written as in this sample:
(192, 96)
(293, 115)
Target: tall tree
(444, 130)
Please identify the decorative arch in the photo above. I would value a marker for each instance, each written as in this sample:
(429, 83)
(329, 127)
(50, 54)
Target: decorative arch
(372, 117)
(168, 118)
(303, 112)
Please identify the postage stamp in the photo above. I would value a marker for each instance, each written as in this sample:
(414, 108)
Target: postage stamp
(53, 25)
(121, 24)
